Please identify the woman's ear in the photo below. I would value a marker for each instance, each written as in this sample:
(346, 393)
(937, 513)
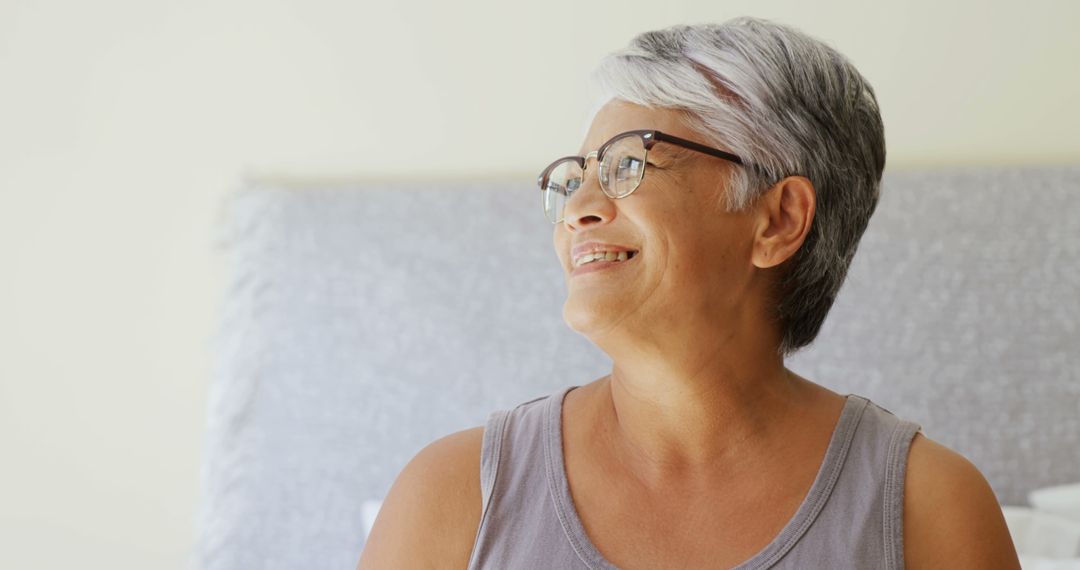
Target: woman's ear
(784, 214)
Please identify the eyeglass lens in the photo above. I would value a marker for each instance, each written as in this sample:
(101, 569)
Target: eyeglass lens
(620, 170)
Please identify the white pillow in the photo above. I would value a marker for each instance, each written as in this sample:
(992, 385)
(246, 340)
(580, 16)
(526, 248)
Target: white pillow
(1039, 563)
(370, 511)
(1044, 535)
(1063, 500)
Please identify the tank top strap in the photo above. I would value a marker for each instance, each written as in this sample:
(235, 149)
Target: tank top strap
(508, 453)
(490, 449)
(489, 455)
(895, 469)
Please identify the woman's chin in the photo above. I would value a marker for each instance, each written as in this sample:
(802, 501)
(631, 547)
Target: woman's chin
(582, 315)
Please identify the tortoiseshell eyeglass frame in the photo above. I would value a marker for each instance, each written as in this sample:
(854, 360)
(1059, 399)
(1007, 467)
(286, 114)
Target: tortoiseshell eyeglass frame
(649, 137)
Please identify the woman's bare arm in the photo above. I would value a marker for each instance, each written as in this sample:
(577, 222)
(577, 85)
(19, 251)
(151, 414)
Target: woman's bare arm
(952, 518)
(430, 516)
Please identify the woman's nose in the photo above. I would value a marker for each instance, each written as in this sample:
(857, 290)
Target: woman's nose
(589, 204)
(589, 201)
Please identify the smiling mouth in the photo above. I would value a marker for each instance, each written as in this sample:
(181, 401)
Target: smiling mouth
(601, 264)
(629, 255)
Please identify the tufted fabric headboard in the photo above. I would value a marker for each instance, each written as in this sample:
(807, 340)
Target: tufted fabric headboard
(361, 321)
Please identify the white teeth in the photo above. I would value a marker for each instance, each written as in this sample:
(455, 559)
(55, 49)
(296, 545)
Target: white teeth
(602, 256)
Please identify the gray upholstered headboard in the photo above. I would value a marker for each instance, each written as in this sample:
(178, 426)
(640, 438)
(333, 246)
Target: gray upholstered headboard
(363, 321)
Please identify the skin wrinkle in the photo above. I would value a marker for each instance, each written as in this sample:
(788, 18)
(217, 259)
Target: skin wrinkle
(671, 153)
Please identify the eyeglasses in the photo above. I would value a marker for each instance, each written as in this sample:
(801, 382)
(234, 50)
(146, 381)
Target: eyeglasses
(622, 166)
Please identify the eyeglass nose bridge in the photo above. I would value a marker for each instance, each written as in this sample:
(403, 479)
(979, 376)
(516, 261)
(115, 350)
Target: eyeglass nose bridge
(585, 165)
(585, 160)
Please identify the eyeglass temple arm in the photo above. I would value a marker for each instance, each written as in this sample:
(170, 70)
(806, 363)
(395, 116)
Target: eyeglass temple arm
(704, 149)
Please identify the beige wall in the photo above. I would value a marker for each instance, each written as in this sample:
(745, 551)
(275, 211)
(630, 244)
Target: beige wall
(123, 123)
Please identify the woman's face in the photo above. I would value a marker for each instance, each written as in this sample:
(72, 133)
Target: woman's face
(692, 269)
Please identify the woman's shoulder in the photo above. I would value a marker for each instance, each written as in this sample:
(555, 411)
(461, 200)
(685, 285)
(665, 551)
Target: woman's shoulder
(951, 516)
(432, 511)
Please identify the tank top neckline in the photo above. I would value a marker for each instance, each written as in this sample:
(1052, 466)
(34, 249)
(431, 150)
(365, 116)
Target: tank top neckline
(815, 499)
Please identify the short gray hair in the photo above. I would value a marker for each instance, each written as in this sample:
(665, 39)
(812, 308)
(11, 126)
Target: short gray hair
(787, 102)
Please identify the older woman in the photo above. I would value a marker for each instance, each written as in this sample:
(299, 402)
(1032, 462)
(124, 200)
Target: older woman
(705, 227)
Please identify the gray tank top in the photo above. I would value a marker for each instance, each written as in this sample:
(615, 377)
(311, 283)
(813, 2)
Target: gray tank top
(851, 518)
